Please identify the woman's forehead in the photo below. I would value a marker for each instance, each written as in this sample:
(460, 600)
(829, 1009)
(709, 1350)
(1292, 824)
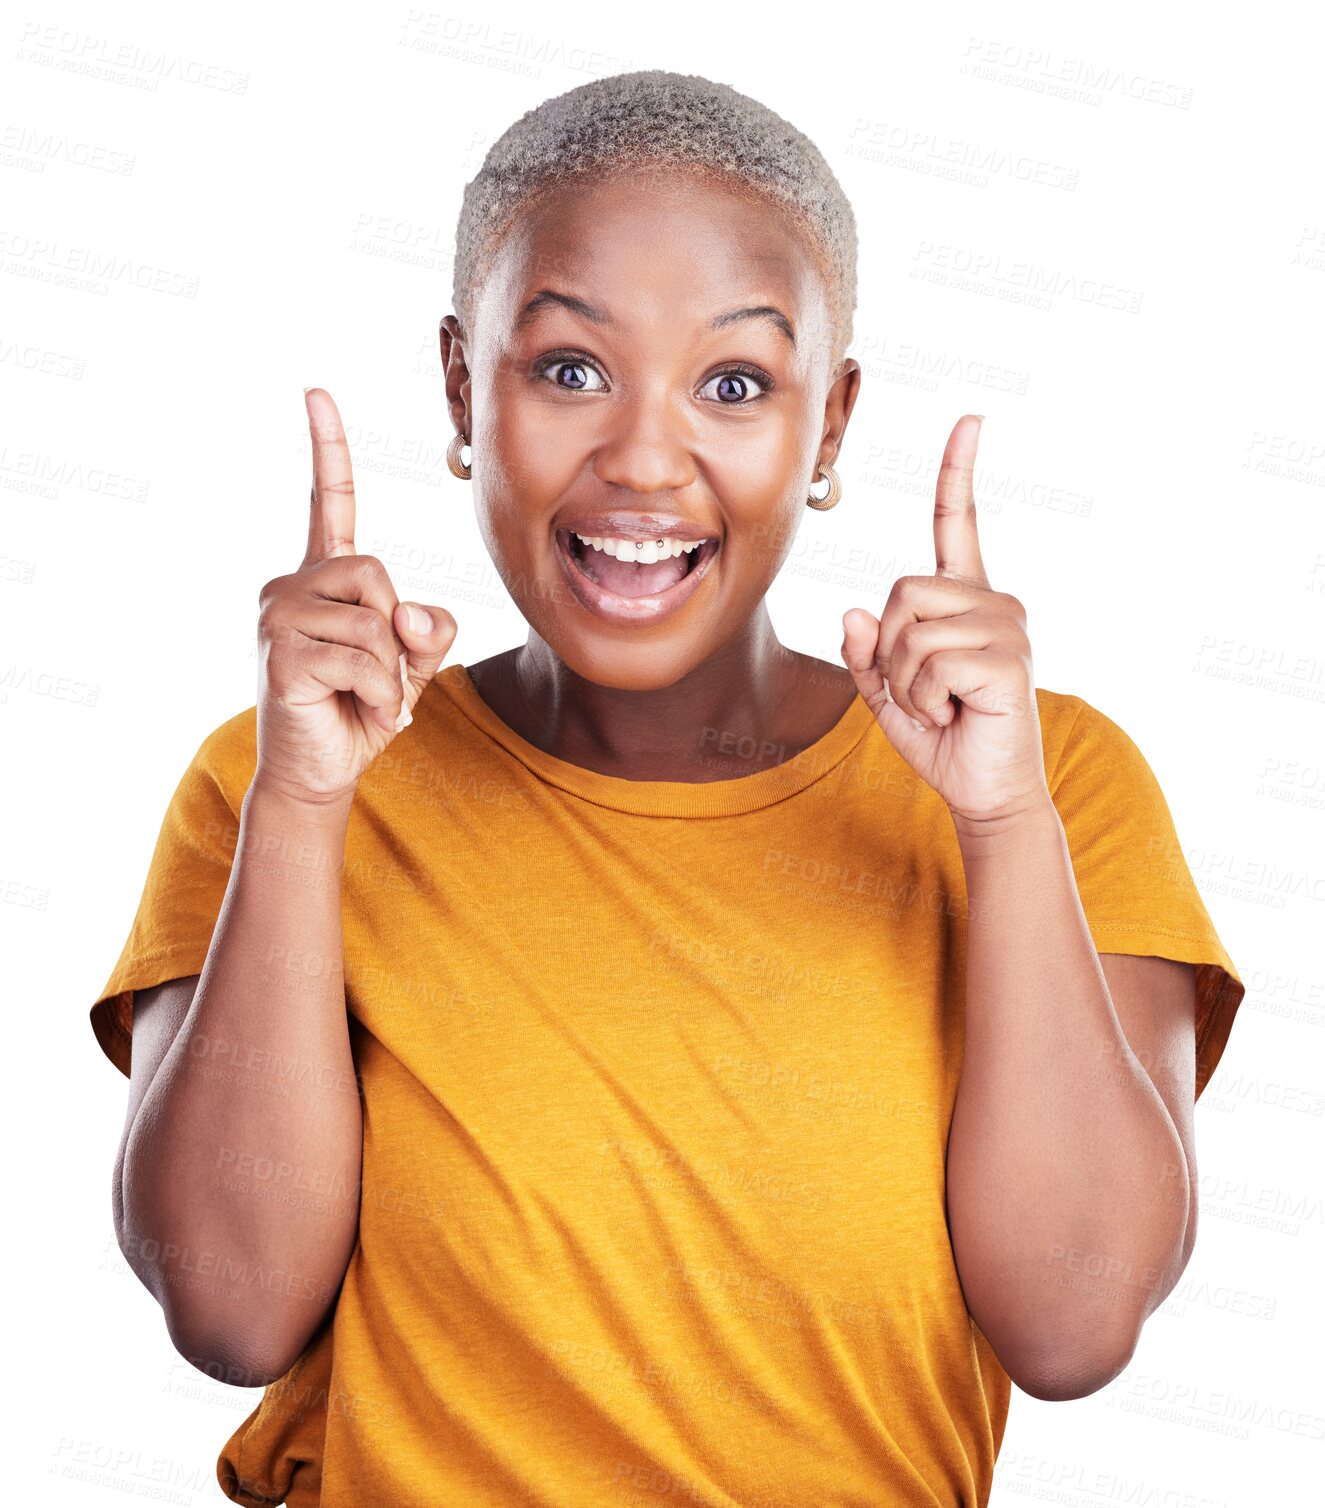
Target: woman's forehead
(620, 250)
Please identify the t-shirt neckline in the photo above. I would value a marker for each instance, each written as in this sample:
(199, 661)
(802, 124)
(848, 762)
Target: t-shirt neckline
(666, 798)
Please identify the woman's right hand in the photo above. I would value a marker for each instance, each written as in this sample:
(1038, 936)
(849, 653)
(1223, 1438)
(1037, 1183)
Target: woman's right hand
(339, 664)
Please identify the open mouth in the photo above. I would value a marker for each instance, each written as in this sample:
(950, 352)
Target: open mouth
(656, 575)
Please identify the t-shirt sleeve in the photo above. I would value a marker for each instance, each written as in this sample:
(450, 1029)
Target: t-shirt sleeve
(185, 885)
(1136, 888)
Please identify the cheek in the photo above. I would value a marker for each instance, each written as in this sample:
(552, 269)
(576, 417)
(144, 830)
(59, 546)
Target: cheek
(533, 454)
(756, 478)
(750, 465)
(518, 479)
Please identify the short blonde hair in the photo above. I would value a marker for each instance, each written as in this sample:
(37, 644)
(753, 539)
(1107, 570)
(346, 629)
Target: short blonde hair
(629, 121)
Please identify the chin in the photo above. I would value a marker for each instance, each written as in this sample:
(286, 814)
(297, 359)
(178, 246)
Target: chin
(627, 667)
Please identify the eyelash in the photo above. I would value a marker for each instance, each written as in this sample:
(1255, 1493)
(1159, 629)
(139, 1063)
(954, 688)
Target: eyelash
(740, 368)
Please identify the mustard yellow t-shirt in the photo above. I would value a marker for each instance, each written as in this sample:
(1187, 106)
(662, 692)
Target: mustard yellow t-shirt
(657, 1079)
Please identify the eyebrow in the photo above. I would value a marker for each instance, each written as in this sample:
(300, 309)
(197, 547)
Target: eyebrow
(546, 297)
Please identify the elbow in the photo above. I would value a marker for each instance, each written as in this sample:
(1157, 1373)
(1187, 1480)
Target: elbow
(228, 1359)
(204, 1337)
(1068, 1370)
(209, 1340)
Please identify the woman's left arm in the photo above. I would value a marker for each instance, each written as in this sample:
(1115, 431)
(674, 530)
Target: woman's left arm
(1071, 1192)
(1071, 1198)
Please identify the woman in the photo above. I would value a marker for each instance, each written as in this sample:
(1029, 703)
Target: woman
(653, 1060)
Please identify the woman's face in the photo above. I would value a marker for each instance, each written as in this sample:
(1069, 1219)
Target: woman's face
(614, 392)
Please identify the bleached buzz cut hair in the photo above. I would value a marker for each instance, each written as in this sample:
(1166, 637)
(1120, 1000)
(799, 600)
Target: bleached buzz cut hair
(631, 121)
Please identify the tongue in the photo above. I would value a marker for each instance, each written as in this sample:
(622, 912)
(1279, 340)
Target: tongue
(627, 579)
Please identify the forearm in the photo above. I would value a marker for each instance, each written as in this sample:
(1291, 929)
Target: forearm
(241, 1170)
(1061, 1205)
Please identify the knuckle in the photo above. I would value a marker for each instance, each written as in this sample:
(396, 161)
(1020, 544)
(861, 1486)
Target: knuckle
(361, 663)
(269, 590)
(379, 633)
(370, 568)
(281, 638)
(273, 671)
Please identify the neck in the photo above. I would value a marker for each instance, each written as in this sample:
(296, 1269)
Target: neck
(736, 700)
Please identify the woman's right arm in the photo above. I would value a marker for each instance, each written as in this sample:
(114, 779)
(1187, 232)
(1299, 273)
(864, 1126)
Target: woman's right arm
(236, 1191)
(239, 1171)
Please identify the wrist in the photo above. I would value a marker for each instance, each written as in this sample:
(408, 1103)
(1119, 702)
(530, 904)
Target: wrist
(980, 834)
(285, 839)
(274, 801)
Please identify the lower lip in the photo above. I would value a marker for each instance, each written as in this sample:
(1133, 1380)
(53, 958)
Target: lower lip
(615, 609)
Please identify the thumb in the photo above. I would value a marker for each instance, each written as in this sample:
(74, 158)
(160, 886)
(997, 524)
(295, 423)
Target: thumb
(860, 643)
(427, 634)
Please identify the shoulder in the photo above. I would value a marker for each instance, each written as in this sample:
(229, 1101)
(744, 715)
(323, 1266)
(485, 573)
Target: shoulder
(1059, 710)
(228, 756)
(1098, 776)
(1075, 733)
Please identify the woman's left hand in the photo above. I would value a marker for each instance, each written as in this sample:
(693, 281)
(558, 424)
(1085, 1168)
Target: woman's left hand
(955, 655)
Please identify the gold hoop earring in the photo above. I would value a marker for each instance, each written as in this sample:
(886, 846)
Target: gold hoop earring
(829, 499)
(456, 466)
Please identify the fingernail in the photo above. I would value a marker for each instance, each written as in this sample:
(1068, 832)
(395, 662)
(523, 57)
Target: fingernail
(307, 390)
(980, 418)
(406, 716)
(419, 621)
(918, 725)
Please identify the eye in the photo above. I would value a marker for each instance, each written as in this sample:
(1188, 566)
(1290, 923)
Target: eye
(577, 373)
(734, 385)
(570, 370)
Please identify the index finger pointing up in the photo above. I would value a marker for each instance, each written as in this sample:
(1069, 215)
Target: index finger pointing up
(956, 540)
(331, 505)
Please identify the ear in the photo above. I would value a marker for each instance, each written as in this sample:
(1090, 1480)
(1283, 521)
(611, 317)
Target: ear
(455, 372)
(841, 400)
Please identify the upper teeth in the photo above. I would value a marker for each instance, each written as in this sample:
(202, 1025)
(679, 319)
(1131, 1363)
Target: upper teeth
(643, 552)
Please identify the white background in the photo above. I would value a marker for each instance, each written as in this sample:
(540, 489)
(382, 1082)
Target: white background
(263, 198)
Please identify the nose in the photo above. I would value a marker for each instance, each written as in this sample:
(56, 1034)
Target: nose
(645, 446)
